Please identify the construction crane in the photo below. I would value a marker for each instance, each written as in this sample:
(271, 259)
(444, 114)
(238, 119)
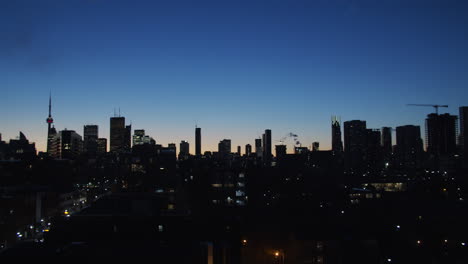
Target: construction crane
(435, 106)
(290, 135)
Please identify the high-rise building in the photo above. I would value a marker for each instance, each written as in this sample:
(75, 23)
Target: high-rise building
(258, 147)
(441, 134)
(463, 139)
(248, 150)
(239, 150)
(184, 152)
(315, 146)
(102, 145)
(280, 151)
(409, 146)
(20, 148)
(128, 138)
(267, 147)
(198, 150)
(172, 146)
(386, 141)
(224, 147)
(337, 143)
(138, 135)
(373, 149)
(355, 142)
(355, 136)
(119, 135)
(139, 138)
(90, 137)
(67, 144)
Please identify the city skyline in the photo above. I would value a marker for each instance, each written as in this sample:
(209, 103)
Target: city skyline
(282, 141)
(231, 68)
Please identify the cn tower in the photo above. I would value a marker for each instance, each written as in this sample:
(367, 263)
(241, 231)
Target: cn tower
(49, 121)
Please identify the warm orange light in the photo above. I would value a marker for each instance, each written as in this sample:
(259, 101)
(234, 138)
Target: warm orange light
(244, 241)
(276, 253)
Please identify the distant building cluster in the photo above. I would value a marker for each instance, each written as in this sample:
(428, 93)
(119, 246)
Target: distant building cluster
(364, 150)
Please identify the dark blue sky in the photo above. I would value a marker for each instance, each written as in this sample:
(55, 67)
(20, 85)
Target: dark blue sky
(234, 68)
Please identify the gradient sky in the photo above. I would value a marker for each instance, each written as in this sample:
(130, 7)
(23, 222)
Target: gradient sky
(234, 68)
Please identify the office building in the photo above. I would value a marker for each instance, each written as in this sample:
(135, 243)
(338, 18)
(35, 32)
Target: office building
(67, 144)
(258, 147)
(337, 143)
(441, 134)
(102, 145)
(355, 136)
(119, 135)
(373, 150)
(355, 142)
(463, 138)
(409, 146)
(90, 137)
(280, 151)
(386, 141)
(267, 147)
(20, 149)
(248, 150)
(198, 149)
(184, 152)
(224, 148)
(139, 138)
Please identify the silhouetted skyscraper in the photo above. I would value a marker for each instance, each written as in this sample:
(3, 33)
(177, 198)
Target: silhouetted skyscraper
(128, 138)
(267, 147)
(386, 141)
(464, 132)
(139, 138)
(120, 135)
(102, 145)
(258, 147)
(172, 146)
(21, 149)
(138, 135)
(198, 150)
(337, 143)
(355, 135)
(239, 150)
(409, 146)
(184, 152)
(90, 137)
(441, 134)
(373, 150)
(224, 148)
(280, 151)
(67, 144)
(248, 150)
(355, 141)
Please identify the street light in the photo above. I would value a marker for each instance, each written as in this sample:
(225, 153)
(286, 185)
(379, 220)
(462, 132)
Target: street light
(279, 254)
